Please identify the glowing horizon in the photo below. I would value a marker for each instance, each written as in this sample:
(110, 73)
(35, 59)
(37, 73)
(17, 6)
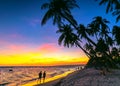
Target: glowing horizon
(43, 55)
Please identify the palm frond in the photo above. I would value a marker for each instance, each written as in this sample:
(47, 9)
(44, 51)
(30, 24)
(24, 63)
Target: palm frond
(47, 16)
(103, 2)
(116, 34)
(45, 6)
(108, 7)
(61, 38)
(118, 18)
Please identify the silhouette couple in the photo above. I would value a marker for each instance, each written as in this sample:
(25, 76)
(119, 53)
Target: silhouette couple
(42, 75)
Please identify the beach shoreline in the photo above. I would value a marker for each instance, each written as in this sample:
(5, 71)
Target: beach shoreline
(20, 76)
(87, 77)
(56, 78)
(84, 77)
(58, 81)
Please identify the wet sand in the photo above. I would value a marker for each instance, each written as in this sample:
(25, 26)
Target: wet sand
(51, 83)
(48, 81)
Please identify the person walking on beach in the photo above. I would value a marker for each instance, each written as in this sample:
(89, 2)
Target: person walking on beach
(40, 76)
(44, 76)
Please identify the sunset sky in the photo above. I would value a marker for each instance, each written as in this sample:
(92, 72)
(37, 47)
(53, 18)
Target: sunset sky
(23, 41)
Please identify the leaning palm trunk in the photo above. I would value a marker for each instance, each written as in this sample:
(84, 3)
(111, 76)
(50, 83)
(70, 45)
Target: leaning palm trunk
(70, 19)
(83, 50)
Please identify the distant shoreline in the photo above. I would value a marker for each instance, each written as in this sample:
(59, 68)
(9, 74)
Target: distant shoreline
(40, 66)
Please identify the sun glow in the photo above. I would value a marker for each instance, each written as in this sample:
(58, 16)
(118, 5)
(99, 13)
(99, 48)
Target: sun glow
(47, 54)
(40, 60)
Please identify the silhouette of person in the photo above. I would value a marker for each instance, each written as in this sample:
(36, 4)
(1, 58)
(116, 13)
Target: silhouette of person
(40, 76)
(44, 76)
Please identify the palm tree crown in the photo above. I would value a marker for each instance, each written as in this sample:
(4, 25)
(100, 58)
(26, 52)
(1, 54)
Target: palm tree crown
(59, 10)
(67, 36)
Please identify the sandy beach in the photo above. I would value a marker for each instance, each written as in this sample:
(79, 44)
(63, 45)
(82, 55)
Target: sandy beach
(87, 77)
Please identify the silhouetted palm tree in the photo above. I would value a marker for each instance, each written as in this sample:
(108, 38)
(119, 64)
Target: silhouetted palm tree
(112, 6)
(109, 41)
(93, 31)
(69, 38)
(114, 52)
(116, 11)
(100, 29)
(101, 46)
(59, 10)
(90, 49)
(116, 34)
(82, 32)
(99, 25)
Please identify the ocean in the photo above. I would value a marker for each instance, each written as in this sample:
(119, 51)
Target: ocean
(15, 76)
